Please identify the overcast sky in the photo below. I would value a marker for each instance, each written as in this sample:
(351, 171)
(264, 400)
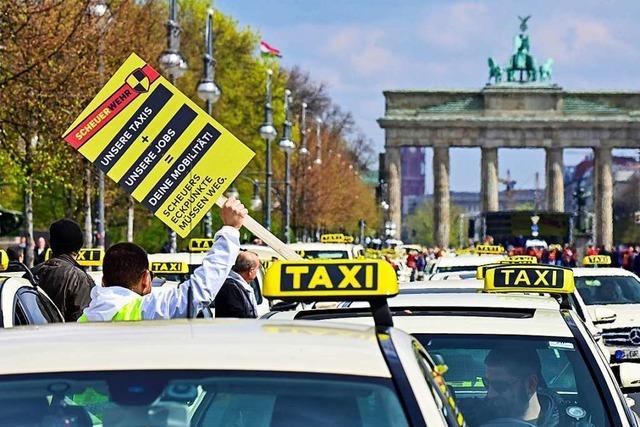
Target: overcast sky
(362, 47)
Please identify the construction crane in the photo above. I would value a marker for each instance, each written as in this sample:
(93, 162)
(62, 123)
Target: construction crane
(509, 186)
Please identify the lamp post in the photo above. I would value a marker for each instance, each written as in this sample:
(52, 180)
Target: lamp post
(287, 146)
(268, 133)
(172, 63)
(100, 10)
(208, 91)
(318, 160)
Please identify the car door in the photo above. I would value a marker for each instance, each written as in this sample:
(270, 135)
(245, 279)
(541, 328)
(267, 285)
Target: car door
(33, 308)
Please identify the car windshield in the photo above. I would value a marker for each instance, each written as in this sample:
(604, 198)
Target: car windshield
(518, 378)
(326, 254)
(609, 289)
(197, 398)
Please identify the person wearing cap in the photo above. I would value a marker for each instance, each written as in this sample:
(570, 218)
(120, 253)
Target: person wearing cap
(64, 281)
(126, 292)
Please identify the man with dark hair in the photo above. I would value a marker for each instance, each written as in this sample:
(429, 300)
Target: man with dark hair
(126, 294)
(515, 391)
(236, 297)
(61, 277)
(15, 254)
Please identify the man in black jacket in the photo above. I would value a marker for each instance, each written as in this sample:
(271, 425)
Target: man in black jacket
(61, 277)
(236, 298)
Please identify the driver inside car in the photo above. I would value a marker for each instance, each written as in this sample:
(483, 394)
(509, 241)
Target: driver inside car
(516, 393)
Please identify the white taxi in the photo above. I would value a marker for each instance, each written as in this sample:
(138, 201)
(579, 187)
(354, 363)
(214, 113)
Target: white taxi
(484, 254)
(22, 302)
(612, 298)
(512, 359)
(231, 372)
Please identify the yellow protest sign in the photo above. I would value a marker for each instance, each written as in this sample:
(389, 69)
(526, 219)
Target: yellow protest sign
(157, 144)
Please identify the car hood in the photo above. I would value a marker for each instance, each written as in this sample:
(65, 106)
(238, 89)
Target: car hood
(627, 315)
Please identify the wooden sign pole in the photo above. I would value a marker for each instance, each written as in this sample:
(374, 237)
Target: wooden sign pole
(268, 237)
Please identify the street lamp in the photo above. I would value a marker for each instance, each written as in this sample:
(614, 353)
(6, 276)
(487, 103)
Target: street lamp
(100, 11)
(172, 63)
(303, 150)
(256, 201)
(232, 192)
(318, 160)
(287, 146)
(268, 133)
(208, 91)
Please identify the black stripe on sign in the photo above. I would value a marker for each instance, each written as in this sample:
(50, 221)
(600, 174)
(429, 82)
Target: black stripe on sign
(133, 128)
(154, 153)
(181, 168)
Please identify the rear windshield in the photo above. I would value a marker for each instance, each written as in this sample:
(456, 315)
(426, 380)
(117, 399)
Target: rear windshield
(326, 254)
(198, 398)
(541, 380)
(609, 289)
(452, 268)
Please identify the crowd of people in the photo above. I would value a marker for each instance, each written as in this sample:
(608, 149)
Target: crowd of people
(126, 291)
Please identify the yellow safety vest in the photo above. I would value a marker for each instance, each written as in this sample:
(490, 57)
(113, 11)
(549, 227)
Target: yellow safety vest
(129, 311)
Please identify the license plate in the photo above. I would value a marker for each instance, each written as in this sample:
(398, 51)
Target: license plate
(626, 354)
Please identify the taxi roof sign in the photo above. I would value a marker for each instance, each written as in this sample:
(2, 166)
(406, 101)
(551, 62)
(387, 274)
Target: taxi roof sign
(336, 238)
(200, 244)
(168, 267)
(520, 259)
(490, 249)
(596, 260)
(90, 257)
(330, 280)
(482, 269)
(4, 260)
(529, 278)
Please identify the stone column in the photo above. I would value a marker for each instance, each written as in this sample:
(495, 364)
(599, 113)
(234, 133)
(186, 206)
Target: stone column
(393, 164)
(555, 180)
(603, 196)
(489, 180)
(441, 196)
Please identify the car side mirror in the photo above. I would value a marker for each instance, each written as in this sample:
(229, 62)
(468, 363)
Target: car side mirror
(630, 377)
(602, 315)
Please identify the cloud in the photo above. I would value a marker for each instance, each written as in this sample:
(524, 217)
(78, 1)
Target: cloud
(362, 48)
(572, 39)
(455, 25)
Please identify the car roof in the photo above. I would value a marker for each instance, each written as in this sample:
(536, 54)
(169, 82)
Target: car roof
(467, 313)
(246, 345)
(323, 246)
(191, 258)
(443, 283)
(604, 271)
(470, 260)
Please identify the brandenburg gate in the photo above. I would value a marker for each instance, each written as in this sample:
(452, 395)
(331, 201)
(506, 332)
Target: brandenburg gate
(518, 108)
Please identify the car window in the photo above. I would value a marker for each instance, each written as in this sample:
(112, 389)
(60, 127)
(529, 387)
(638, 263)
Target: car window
(34, 308)
(609, 289)
(202, 398)
(325, 254)
(441, 392)
(454, 268)
(497, 376)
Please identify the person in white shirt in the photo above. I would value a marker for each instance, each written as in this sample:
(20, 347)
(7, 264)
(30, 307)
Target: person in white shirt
(126, 292)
